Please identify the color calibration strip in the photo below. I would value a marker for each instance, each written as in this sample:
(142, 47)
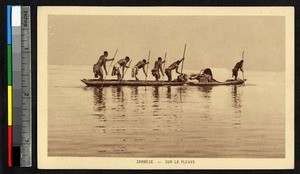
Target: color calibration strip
(19, 86)
(9, 87)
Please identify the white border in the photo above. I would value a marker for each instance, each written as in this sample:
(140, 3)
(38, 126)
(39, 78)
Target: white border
(45, 162)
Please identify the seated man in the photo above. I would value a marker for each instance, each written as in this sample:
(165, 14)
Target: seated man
(139, 65)
(207, 71)
(205, 75)
(182, 78)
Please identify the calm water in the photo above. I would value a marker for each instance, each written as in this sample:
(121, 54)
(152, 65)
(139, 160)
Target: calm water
(223, 121)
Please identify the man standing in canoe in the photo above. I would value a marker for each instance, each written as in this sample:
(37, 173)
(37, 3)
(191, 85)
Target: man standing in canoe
(173, 66)
(157, 68)
(238, 66)
(139, 65)
(120, 64)
(97, 69)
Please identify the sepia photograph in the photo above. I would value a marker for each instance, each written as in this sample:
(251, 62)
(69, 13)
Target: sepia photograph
(165, 88)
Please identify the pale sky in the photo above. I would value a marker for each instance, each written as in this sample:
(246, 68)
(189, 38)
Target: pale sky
(212, 41)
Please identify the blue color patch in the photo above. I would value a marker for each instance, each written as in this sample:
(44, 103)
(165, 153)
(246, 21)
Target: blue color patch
(9, 24)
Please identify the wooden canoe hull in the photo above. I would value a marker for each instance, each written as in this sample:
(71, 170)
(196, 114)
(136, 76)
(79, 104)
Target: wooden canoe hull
(96, 82)
(231, 82)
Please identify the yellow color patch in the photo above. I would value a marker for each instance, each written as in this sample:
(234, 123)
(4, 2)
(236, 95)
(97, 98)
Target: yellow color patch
(9, 103)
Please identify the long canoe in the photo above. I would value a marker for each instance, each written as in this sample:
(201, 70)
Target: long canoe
(97, 82)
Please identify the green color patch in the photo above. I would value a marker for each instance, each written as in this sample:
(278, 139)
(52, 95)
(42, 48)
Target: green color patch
(9, 65)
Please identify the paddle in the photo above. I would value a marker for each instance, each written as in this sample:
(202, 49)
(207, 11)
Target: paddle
(183, 57)
(147, 65)
(164, 65)
(243, 63)
(126, 70)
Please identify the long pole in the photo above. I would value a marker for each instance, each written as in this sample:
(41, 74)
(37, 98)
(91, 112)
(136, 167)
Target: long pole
(243, 64)
(126, 70)
(183, 57)
(147, 65)
(164, 65)
(111, 62)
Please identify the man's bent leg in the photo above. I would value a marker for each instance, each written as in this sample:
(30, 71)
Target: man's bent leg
(100, 74)
(168, 73)
(156, 77)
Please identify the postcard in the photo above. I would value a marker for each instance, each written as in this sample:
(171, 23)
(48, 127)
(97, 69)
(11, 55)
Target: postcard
(165, 87)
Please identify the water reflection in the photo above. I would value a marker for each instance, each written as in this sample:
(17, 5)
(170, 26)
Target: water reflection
(134, 93)
(182, 91)
(105, 106)
(100, 107)
(117, 100)
(236, 96)
(236, 103)
(178, 95)
(156, 105)
(118, 93)
(115, 106)
(99, 99)
(155, 93)
(206, 90)
(169, 92)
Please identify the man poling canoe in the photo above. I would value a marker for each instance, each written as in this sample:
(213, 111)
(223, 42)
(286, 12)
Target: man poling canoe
(182, 77)
(137, 67)
(238, 66)
(120, 64)
(173, 66)
(158, 68)
(125, 71)
(97, 68)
